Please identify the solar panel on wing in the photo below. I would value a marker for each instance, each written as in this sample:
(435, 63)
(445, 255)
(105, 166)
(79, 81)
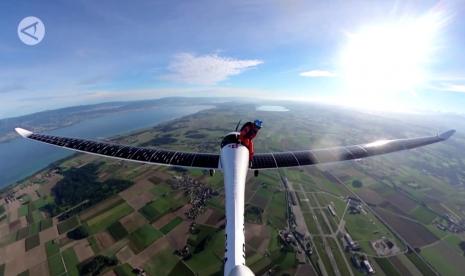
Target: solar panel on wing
(260, 161)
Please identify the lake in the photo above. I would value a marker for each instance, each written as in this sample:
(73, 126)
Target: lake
(275, 108)
(20, 158)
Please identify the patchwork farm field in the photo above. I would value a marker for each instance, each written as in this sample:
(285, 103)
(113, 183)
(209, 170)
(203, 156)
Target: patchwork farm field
(163, 263)
(68, 224)
(143, 237)
(105, 219)
(416, 234)
(171, 225)
(445, 258)
(117, 231)
(156, 209)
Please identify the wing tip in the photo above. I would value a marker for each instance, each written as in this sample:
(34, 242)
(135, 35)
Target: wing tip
(446, 135)
(23, 132)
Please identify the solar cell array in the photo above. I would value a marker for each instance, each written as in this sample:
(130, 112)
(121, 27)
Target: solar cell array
(260, 161)
(147, 155)
(311, 157)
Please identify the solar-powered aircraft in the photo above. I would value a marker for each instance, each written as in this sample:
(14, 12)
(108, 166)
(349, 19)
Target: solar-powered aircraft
(233, 160)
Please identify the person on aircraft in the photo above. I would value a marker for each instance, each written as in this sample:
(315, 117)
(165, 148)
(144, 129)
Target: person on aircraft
(248, 132)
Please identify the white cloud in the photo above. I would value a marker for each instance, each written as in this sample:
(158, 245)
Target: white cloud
(452, 87)
(207, 69)
(318, 74)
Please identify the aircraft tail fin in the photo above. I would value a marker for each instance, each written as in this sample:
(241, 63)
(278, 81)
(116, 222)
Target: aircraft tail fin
(238, 124)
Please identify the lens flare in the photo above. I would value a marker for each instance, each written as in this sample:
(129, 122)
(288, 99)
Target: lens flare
(380, 62)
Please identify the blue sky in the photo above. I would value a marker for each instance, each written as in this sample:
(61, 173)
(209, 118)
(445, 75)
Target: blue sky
(97, 51)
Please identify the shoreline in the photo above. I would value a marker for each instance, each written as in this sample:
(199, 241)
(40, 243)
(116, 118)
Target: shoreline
(111, 138)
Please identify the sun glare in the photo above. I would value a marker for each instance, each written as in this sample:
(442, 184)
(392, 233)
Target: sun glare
(379, 62)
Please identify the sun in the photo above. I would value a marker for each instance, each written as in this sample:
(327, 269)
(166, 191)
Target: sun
(380, 62)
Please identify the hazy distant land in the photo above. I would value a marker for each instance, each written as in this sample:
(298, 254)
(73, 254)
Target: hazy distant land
(59, 118)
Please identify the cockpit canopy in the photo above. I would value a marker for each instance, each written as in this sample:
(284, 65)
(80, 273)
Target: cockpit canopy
(230, 138)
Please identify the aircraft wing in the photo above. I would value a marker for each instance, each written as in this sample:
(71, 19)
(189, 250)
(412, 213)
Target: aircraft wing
(328, 155)
(130, 153)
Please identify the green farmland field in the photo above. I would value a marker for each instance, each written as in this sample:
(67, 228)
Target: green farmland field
(93, 244)
(51, 248)
(423, 215)
(23, 211)
(68, 224)
(161, 263)
(34, 228)
(420, 264)
(36, 216)
(105, 219)
(32, 242)
(276, 211)
(160, 190)
(205, 262)
(444, 258)
(181, 269)
(41, 202)
(55, 265)
(155, 209)
(45, 224)
(171, 225)
(387, 266)
(143, 237)
(117, 231)
(71, 261)
(124, 270)
(22, 233)
(203, 232)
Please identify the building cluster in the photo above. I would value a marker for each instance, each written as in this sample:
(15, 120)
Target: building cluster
(362, 263)
(139, 271)
(11, 194)
(287, 238)
(349, 243)
(198, 194)
(355, 205)
(299, 243)
(385, 247)
(54, 171)
(10, 197)
(450, 224)
(185, 253)
(293, 198)
(291, 236)
(358, 260)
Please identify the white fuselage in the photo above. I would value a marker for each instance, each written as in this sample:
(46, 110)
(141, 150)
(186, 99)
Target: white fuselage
(235, 164)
